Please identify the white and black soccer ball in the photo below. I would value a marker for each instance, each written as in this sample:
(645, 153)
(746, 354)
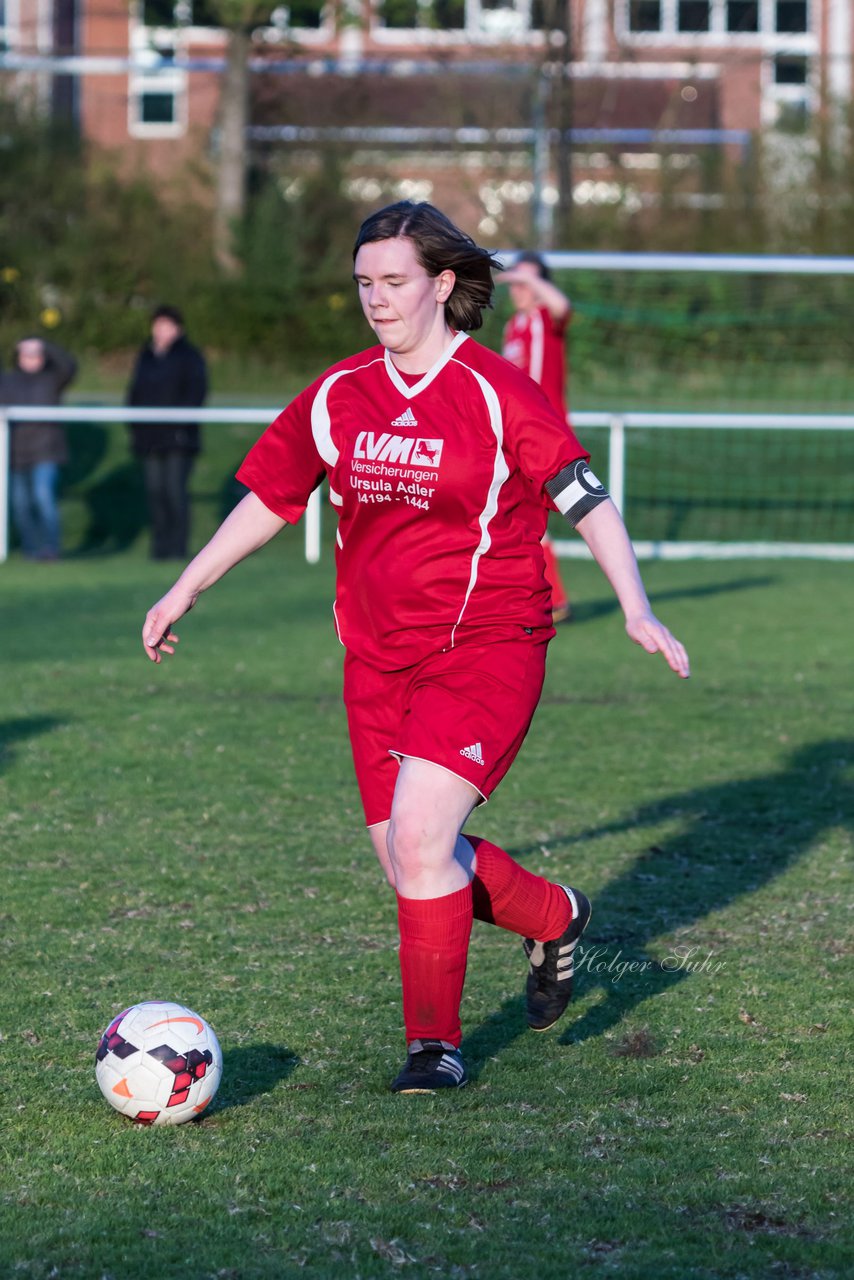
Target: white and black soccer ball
(158, 1063)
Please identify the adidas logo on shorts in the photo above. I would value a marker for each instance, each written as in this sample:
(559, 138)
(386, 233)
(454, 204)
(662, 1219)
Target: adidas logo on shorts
(473, 753)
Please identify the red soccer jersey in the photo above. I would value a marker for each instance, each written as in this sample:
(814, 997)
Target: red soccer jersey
(534, 341)
(440, 492)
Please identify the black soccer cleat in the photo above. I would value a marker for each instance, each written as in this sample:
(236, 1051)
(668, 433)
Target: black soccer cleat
(552, 964)
(431, 1065)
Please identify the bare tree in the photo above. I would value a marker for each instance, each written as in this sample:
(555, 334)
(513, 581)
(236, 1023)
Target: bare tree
(238, 18)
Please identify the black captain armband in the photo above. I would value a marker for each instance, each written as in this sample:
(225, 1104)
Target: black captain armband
(575, 491)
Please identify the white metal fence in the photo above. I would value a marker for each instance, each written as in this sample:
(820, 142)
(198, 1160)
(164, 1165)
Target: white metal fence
(619, 426)
(122, 413)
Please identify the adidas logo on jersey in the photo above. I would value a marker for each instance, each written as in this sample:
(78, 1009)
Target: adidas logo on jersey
(473, 753)
(406, 419)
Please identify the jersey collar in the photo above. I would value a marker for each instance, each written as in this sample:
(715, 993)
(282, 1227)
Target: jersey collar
(404, 388)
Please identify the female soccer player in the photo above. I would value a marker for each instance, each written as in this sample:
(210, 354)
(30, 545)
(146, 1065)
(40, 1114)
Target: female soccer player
(441, 458)
(534, 339)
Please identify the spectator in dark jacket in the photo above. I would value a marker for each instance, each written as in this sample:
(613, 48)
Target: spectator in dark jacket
(41, 372)
(170, 373)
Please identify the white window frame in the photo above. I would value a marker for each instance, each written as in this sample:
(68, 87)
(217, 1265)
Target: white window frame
(144, 43)
(283, 33)
(510, 21)
(717, 33)
(776, 96)
(166, 82)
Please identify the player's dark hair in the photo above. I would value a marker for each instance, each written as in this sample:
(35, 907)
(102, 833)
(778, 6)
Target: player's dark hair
(536, 259)
(439, 246)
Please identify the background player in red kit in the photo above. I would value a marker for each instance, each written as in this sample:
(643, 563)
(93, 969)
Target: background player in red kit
(441, 460)
(534, 339)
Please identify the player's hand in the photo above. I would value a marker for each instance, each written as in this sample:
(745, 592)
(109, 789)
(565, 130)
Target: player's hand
(157, 634)
(654, 637)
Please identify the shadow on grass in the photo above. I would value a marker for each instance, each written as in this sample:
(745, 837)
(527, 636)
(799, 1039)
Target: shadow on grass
(589, 610)
(19, 730)
(733, 838)
(251, 1071)
(116, 512)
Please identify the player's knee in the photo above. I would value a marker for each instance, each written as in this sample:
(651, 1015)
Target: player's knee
(412, 847)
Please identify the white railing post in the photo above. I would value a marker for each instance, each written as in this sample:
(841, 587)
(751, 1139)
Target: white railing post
(312, 528)
(617, 461)
(4, 485)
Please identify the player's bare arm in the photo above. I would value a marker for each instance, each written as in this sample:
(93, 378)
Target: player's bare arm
(249, 526)
(543, 293)
(603, 530)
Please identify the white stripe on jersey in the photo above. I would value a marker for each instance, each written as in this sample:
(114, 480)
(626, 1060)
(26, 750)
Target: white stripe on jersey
(403, 387)
(321, 426)
(500, 472)
(538, 346)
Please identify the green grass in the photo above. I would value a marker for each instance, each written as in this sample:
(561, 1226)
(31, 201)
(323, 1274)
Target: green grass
(193, 832)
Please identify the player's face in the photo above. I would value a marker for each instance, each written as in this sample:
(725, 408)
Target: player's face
(521, 293)
(404, 305)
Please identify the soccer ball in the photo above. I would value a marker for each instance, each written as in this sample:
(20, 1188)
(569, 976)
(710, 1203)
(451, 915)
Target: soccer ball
(158, 1063)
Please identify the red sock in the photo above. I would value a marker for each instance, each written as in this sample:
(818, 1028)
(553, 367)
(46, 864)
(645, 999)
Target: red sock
(434, 943)
(505, 894)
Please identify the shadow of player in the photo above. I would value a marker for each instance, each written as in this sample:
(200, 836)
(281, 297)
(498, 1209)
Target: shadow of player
(733, 838)
(19, 730)
(590, 610)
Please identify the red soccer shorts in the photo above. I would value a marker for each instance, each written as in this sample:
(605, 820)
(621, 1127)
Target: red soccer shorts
(467, 709)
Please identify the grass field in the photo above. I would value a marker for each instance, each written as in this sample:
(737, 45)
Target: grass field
(193, 832)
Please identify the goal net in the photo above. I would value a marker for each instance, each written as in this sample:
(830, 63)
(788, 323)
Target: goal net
(719, 394)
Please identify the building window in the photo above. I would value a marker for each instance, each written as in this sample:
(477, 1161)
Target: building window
(449, 14)
(401, 14)
(693, 15)
(307, 15)
(158, 13)
(645, 15)
(431, 15)
(790, 69)
(182, 13)
(157, 105)
(742, 16)
(157, 108)
(791, 17)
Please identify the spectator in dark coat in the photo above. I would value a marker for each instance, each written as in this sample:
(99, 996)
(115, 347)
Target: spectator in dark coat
(41, 372)
(170, 373)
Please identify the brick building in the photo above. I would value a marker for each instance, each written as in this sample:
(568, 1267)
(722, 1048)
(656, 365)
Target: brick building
(146, 81)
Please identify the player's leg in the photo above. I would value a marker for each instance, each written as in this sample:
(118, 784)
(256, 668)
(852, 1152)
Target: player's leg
(470, 712)
(434, 932)
(549, 917)
(432, 868)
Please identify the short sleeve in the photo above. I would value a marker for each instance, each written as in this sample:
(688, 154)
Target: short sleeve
(539, 440)
(283, 468)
